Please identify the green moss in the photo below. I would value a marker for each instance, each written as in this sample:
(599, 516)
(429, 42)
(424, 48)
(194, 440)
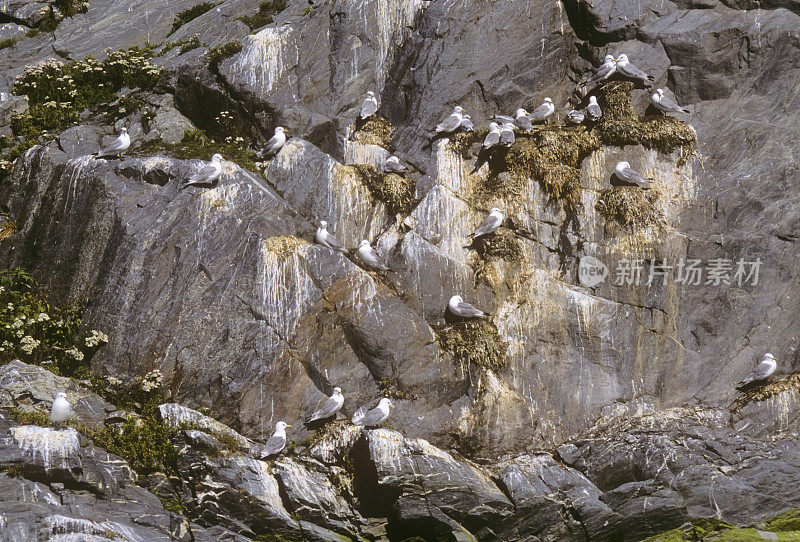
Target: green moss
(219, 53)
(785, 526)
(762, 392)
(473, 342)
(461, 142)
(396, 191)
(278, 537)
(13, 470)
(8, 229)
(71, 7)
(374, 131)
(192, 13)
(389, 388)
(8, 43)
(621, 126)
(788, 521)
(265, 15)
(31, 417)
(630, 206)
(195, 144)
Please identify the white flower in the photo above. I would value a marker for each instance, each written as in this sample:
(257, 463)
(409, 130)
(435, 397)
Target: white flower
(96, 338)
(42, 317)
(113, 381)
(17, 323)
(75, 353)
(29, 344)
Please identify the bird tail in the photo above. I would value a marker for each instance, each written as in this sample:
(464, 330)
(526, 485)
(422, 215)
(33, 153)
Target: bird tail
(685, 110)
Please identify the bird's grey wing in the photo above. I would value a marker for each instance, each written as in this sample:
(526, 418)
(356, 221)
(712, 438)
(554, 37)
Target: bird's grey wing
(507, 137)
(329, 408)
(395, 167)
(502, 119)
(669, 104)
(467, 125)
(632, 71)
(372, 417)
(524, 123)
(540, 112)
(112, 148)
(762, 370)
(449, 124)
(634, 176)
(333, 242)
(368, 108)
(376, 257)
(602, 72)
(203, 175)
(469, 310)
(491, 223)
(595, 111)
(492, 138)
(273, 445)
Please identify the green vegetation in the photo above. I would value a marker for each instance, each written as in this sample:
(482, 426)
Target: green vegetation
(390, 388)
(473, 342)
(68, 8)
(764, 391)
(36, 332)
(7, 229)
(219, 53)
(461, 142)
(192, 13)
(196, 144)
(278, 537)
(31, 417)
(394, 190)
(785, 526)
(374, 131)
(630, 206)
(8, 43)
(266, 11)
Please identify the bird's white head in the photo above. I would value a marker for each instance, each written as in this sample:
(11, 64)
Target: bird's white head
(608, 58)
(521, 112)
(660, 91)
(323, 224)
(493, 127)
(123, 130)
(548, 101)
(467, 117)
(281, 426)
(494, 210)
(370, 94)
(621, 166)
(363, 243)
(456, 299)
(61, 395)
(393, 159)
(216, 158)
(458, 109)
(592, 100)
(768, 355)
(337, 390)
(385, 402)
(622, 58)
(279, 129)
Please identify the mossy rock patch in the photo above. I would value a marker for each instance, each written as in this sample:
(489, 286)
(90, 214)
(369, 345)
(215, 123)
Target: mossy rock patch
(767, 390)
(374, 131)
(473, 342)
(395, 190)
(630, 206)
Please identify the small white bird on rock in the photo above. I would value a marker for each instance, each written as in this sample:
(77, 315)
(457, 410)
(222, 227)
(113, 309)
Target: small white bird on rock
(606, 70)
(630, 176)
(493, 137)
(543, 112)
(369, 106)
(629, 70)
(593, 109)
(369, 256)
(575, 116)
(118, 146)
(451, 123)
(762, 371)
(393, 165)
(507, 137)
(523, 120)
(275, 143)
(665, 104)
(466, 124)
(61, 411)
(277, 442)
(330, 407)
(326, 239)
(376, 416)
(464, 310)
(208, 173)
(490, 223)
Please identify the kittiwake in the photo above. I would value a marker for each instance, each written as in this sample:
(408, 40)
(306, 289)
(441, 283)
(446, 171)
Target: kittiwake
(277, 442)
(606, 70)
(369, 106)
(544, 111)
(274, 144)
(61, 410)
(466, 124)
(665, 104)
(493, 137)
(375, 416)
(370, 257)
(490, 223)
(393, 165)
(327, 239)
(629, 70)
(464, 310)
(451, 123)
(330, 407)
(118, 146)
(208, 173)
(523, 120)
(507, 136)
(575, 116)
(630, 176)
(593, 109)
(762, 371)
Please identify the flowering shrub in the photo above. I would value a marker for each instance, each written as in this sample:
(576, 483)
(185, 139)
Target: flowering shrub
(196, 144)
(35, 332)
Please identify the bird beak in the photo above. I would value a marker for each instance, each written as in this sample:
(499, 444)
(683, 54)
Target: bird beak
(287, 425)
(616, 60)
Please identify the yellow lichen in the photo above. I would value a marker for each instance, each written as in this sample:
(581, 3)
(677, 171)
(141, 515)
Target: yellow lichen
(283, 246)
(765, 391)
(374, 131)
(7, 230)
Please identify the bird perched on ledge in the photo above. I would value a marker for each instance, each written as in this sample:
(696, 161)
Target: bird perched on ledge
(762, 371)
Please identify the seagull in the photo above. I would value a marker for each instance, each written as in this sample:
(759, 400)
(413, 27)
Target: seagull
(209, 173)
(369, 106)
(376, 416)
(393, 165)
(493, 137)
(464, 310)
(369, 256)
(502, 119)
(277, 442)
(762, 371)
(593, 110)
(523, 120)
(330, 407)
(118, 146)
(274, 144)
(631, 176)
(542, 112)
(466, 124)
(61, 410)
(451, 123)
(490, 223)
(606, 70)
(507, 136)
(629, 70)
(575, 116)
(665, 104)
(327, 239)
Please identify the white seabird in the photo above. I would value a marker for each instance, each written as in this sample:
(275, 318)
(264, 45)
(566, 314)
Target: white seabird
(393, 165)
(493, 137)
(466, 124)
(451, 123)
(327, 239)
(330, 407)
(369, 256)
(544, 111)
(369, 106)
(575, 116)
(507, 136)
(523, 120)
(275, 143)
(631, 176)
(464, 310)
(490, 223)
(208, 173)
(118, 146)
(376, 416)
(665, 104)
(629, 70)
(277, 442)
(593, 109)
(606, 70)
(762, 371)
(61, 410)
